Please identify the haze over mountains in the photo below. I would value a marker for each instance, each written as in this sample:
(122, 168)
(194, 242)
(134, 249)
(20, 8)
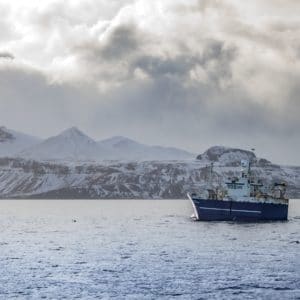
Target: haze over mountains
(13, 142)
(74, 145)
(73, 165)
(71, 144)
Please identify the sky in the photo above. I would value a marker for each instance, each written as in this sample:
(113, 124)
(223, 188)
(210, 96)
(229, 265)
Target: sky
(189, 74)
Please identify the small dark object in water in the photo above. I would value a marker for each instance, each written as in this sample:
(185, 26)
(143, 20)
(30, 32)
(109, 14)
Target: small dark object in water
(74, 221)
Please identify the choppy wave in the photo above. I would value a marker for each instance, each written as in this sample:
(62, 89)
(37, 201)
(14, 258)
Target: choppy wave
(142, 250)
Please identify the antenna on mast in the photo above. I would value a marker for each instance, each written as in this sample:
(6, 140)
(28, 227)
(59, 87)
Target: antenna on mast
(253, 157)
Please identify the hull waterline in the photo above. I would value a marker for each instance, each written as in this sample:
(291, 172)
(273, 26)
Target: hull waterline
(228, 210)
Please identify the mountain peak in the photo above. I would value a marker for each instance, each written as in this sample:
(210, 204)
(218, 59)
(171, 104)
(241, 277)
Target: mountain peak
(74, 135)
(70, 144)
(72, 131)
(226, 155)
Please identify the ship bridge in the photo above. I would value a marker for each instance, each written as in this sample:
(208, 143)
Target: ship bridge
(238, 188)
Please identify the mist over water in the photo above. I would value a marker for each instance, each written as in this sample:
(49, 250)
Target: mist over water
(142, 249)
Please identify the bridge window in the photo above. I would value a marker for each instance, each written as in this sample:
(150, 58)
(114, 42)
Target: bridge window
(234, 186)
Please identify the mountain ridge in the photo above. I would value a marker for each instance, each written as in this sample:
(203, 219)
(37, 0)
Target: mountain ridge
(22, 178)
(231, 156)
(74, 145)
(70, 145)
(67, 177)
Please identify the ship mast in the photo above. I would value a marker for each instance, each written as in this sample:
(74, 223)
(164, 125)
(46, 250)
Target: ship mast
(211, 175)
(250, 163)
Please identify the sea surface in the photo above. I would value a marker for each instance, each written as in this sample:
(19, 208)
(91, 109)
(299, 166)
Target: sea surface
(142, 249)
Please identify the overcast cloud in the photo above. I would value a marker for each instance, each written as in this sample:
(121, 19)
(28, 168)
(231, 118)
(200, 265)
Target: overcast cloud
(190, 74)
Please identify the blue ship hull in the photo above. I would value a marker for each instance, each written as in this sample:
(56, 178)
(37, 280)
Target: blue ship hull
(221, 210)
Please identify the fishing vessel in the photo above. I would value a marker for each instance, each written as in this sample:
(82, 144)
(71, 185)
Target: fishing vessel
(243, 198)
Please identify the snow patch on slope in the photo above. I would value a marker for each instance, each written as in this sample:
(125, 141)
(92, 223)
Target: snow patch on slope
(148, 180)
(226, 156)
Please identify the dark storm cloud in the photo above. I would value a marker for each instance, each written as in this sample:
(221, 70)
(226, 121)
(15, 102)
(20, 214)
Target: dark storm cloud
(6, 55)
(125, 45)
(223, 55)
(122, 41)
(158, 66)
(215, 52)
(198, 72)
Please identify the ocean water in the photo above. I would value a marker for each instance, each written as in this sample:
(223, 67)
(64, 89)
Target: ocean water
(142, 249)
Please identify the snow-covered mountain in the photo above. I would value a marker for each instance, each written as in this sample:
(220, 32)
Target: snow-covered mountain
(74, 145)
(70, 145)
(124, 179)
(227, 156)
(71, 165)
(21, 178)
(12, 142)
(122, 148)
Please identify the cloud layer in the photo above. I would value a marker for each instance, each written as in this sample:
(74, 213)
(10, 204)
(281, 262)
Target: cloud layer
(188, 74)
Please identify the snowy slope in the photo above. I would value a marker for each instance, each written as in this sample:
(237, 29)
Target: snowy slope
(73, 145)
(140, 180)
(220, 155)
(122, 148)
(70, 145)
(12, 142)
